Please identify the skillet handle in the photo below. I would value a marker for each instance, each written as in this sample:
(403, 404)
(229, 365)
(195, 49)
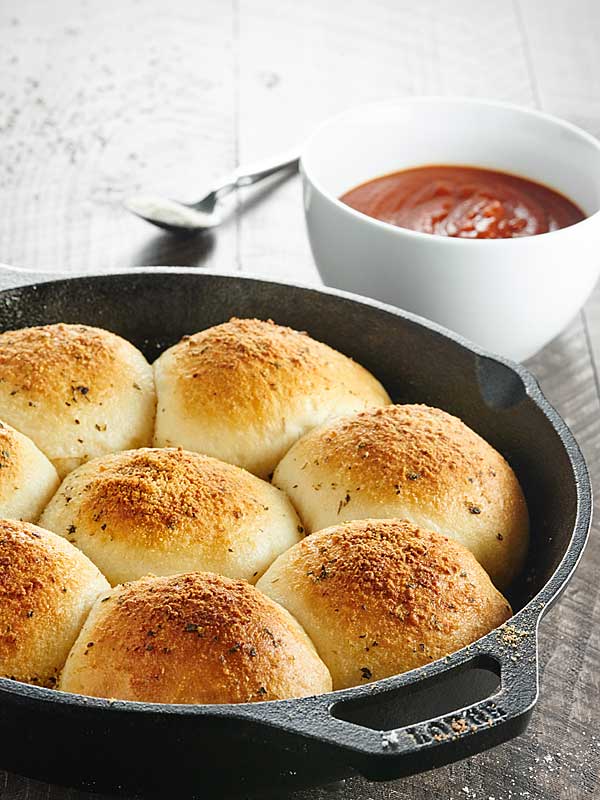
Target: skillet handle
(352, 726)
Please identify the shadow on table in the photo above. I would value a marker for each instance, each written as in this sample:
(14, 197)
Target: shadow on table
(181, 250)
(17, 786)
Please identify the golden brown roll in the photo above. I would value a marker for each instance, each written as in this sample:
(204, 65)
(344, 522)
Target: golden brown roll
(245, 391)
(27, 479)
(417, 463)
(76, 391)
(379, 597)
(168, 511)
(47, 588)
(195, 638)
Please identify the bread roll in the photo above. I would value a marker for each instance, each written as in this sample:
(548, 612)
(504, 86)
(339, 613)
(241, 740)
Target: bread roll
(169, 511)
(76, 391)
(417, 463)
(245, 391)
(195, 638)
(27, 479)
(379, 597)
(47, 588)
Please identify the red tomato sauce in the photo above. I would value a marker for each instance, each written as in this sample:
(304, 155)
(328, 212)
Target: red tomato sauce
(464, 202)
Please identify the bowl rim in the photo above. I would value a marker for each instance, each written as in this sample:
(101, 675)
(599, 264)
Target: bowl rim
(543, 117)
(529, 615)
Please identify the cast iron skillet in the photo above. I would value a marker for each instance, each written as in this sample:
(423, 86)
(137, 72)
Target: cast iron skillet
(470, 701)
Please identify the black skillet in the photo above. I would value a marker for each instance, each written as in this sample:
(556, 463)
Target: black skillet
(442, 712)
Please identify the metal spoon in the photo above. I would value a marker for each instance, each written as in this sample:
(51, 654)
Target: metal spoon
(203, 215)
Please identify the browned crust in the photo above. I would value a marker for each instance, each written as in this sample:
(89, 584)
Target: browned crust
(41, 578)
(405, 458)
(67, 365)
(11, 466)
(415, 451)
(394, 596)
(397, 568)
(251, 366)
(153, 496)
(195, 638)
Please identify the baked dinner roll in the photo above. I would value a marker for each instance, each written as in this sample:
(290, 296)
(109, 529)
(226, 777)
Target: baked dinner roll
(47, 588)
(76, 391)
(245, 391)
(195, 638)
(379, 597)
(417, 463)
(168, 511)
(27, 479)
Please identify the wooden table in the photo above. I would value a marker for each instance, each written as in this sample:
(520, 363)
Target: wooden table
(98, 99)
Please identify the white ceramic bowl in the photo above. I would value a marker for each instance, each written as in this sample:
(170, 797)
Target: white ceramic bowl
(509, 295)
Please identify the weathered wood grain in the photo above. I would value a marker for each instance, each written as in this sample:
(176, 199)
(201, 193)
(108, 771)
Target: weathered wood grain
(99, 99)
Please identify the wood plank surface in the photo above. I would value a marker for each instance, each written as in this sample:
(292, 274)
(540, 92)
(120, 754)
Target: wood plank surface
(99, 99)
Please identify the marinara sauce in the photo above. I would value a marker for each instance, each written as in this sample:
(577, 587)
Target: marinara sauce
(464, 202)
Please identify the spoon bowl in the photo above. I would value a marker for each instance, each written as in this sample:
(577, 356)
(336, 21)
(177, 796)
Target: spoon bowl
(173, 216)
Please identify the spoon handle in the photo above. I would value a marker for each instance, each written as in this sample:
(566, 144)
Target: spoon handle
(253, 173)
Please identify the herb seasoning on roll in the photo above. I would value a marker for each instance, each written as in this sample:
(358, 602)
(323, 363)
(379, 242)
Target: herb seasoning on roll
(464, 202)
(383, 596)
(416, 463)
